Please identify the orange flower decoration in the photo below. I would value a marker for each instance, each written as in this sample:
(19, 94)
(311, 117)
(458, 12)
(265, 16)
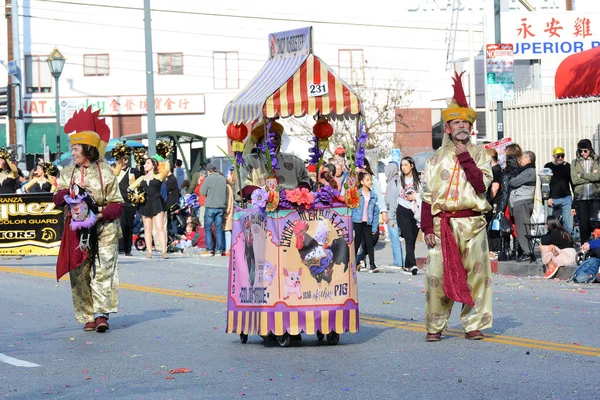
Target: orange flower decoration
(352, 197)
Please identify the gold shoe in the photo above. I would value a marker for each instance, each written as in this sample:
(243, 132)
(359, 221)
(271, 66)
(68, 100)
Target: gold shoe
(165, 255)
(149, 255)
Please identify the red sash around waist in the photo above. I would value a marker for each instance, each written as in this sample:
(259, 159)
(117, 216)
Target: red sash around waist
(455, 274)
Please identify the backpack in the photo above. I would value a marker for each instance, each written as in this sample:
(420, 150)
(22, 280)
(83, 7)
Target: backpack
(587, 271)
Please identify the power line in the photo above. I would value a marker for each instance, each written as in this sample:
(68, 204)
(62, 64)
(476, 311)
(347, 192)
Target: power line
(354, 45)
(250, 17)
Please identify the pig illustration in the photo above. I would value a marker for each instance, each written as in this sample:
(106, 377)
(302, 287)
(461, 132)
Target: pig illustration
(292, 283)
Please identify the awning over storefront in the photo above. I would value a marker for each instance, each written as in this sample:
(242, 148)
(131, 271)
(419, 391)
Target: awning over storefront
(248, 104)
(577, 75)
(305, 93)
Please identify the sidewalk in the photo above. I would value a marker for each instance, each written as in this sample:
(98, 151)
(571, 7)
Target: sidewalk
(383, 257)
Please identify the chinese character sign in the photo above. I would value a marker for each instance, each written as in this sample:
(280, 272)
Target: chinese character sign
(117, 105)
(556, 34)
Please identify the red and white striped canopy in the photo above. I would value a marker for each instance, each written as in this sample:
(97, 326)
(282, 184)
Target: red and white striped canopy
(293, 99)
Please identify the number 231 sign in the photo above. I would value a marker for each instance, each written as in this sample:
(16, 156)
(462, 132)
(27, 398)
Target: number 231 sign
(317, 89)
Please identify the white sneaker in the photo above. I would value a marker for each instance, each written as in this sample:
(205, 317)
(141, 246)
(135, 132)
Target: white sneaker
(414, 270)
(361, 266)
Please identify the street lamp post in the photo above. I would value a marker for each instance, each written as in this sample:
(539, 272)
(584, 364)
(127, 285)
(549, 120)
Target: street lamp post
(56, 62)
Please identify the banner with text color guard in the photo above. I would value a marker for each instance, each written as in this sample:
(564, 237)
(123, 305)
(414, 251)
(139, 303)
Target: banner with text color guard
(29, 224)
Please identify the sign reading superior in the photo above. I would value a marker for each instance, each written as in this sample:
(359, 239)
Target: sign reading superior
(554, 34)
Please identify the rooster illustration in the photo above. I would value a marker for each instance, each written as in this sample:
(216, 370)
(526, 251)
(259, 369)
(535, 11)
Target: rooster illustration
(317, 254)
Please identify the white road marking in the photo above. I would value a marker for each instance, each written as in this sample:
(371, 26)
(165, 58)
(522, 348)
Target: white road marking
(16, 362)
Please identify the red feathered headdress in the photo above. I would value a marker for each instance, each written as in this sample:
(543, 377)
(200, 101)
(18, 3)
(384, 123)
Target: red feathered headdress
(459, 108)
(85, 127)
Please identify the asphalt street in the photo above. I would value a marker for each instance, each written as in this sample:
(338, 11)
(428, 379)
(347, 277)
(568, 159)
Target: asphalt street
(168, 341)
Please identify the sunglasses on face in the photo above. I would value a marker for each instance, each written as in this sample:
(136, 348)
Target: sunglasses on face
(559, 155)
(584, 151)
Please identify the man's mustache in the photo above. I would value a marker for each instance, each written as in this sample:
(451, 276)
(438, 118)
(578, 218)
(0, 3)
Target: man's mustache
(461, 130)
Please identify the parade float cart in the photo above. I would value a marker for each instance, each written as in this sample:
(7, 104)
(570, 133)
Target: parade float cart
(293, 271)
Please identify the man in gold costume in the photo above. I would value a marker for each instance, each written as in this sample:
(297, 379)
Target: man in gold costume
(93, 203)
(458, 269)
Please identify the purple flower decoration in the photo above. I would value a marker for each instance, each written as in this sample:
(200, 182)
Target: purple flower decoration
(326, 195)
(274, 162)
(259, 198)
(360, 152)
(283, 201)
(239, 158)
(314, 153)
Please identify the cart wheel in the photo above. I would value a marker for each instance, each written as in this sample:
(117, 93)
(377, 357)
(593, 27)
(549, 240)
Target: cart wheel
(243, 338)
(333, 338)
(320, 335)
(284, 341)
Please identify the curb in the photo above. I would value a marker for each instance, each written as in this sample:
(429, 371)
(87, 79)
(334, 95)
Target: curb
(529, 269)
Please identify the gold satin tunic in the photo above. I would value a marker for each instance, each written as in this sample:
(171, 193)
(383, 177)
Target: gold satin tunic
(96, 294)
(446, 188)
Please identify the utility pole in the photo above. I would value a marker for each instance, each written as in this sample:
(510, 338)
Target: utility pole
(498, 40)
(11, 137)
(149, 80)
(17, 80)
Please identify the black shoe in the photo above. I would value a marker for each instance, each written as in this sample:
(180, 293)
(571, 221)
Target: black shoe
(523, 258)
(128, 254)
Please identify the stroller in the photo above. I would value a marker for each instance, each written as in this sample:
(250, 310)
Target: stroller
(140, 241)
(178, 213)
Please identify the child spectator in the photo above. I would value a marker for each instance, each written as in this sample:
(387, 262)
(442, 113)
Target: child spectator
(186, 240)
(557, 247)
(366, 218)
(327, 179)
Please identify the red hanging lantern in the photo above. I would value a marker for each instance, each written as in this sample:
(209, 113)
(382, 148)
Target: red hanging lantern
(237, 133)
(323, 129)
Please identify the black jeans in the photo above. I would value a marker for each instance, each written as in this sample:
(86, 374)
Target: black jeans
(409, 231)
(362, 255)
(363, 234)
(586, 209)
(127, 217)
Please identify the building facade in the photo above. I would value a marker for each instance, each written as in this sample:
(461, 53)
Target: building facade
(204, 53)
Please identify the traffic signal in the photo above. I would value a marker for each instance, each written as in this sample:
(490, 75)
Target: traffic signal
(6, 101)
